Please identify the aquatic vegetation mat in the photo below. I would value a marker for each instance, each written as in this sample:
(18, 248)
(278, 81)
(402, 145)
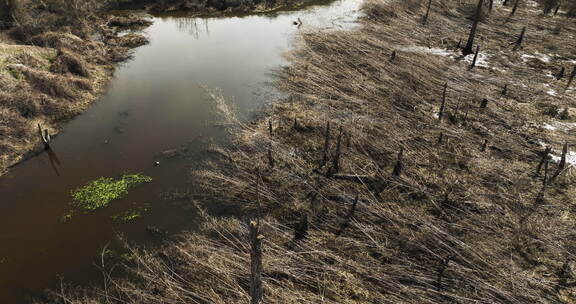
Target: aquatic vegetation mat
(101, 192)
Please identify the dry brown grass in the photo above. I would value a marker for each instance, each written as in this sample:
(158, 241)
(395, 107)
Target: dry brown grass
(459, 225)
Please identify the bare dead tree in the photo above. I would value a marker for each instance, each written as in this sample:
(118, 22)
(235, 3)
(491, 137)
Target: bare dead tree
(468, 48)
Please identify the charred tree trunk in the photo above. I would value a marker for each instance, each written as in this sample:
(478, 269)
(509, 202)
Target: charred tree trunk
(469, 45)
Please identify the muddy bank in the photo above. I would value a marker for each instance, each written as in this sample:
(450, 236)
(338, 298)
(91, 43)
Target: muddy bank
(370, 190)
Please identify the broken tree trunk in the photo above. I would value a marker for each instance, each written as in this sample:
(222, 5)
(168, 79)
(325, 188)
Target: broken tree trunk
(562, 163)
(301, 228)
(560, 74)
(44, 137)
(442, 105)
(571, 77)
(544, 158)
(520, 39)
(425, 19)
(348, 217)
(468, 48)
(326, 143)
(398, 166)
(336, 160)
(475, 57)
(270, 158)
(514, 8)
(256, 263)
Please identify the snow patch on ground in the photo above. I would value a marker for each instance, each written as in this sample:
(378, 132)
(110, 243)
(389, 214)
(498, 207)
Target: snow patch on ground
(560, 126)
(542, 57)
(426, 50)
(570, 158)
(552, 92)
(481, 61)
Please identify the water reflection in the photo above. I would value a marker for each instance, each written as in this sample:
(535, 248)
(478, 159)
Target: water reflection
(54, 161)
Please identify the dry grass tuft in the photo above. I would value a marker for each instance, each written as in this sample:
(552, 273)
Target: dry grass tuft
(66, 62)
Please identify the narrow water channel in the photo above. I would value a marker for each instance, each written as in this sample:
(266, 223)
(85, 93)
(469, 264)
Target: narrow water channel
(156, 102)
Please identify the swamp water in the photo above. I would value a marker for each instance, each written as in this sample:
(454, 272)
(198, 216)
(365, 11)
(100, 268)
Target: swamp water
(156, 102)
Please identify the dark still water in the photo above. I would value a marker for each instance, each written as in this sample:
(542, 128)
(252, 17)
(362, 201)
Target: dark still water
(156, 102)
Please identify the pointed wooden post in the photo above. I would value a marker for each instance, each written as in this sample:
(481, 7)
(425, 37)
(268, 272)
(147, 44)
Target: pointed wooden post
(468, 48)
(256, 263)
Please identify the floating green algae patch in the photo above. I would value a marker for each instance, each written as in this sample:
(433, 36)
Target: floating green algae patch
(101, 192)
(130, 214)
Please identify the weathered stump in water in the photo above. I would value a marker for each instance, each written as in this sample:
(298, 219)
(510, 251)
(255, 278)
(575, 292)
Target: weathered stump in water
(44, 136)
